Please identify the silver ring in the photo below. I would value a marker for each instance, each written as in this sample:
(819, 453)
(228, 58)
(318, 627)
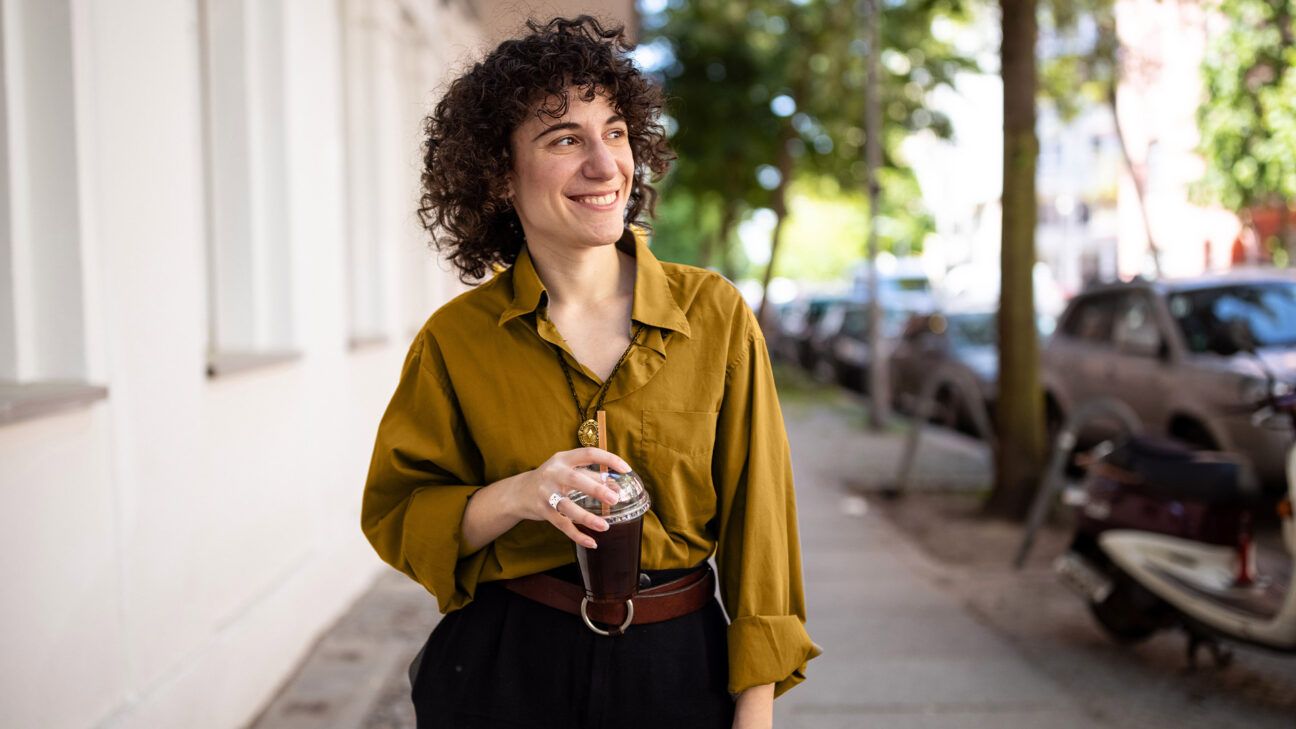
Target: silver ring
(554, 498)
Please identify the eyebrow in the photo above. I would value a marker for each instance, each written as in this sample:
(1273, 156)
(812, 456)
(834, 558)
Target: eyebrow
(573, 125)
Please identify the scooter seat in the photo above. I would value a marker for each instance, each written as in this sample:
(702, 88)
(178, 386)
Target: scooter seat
(1168, 469)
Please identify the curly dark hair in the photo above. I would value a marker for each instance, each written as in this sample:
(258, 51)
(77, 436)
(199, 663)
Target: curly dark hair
(467, 153)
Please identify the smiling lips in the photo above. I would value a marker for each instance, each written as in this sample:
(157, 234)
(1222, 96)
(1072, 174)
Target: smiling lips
(598, 201)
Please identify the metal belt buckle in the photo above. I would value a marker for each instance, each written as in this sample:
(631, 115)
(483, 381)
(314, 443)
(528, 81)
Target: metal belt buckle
(619, 630)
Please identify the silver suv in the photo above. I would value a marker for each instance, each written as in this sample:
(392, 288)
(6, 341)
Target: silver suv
(1157, 347)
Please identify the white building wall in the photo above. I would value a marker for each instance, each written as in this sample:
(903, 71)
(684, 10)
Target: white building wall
(171, 552)
(1159, 95)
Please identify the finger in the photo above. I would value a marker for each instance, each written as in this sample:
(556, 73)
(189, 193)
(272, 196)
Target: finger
(598, 457)
(565, 525)
(580, 516)
(588, 483)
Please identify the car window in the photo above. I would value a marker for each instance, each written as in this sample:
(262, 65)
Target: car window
(816, 310)
(1091, 319)
(856, 322)
(1269, 311)
(831, 320)
(1134, 328)
(977, 330)
(794, 318)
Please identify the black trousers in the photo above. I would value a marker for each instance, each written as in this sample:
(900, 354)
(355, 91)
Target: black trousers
(507, 662)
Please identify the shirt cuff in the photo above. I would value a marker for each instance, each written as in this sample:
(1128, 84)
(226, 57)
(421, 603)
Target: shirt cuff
(773, 649)
(433, 529)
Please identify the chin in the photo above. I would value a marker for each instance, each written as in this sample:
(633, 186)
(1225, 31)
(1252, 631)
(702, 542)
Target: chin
(608, 234)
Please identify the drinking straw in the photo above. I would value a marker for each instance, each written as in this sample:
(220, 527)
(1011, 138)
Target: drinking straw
(601, 416)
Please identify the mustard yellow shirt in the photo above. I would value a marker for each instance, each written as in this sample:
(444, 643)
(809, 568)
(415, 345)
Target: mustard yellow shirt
(693, 410)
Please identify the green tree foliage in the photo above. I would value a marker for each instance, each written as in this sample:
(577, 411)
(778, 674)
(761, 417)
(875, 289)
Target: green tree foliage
(765, 92)
(1248, 117)
(1080, 62)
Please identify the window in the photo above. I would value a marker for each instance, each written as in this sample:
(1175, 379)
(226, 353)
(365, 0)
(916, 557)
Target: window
(423, 288)
(1134, 328)
(42, 307)
(249, 279)
(394, 281)
(1268, 311)
(1091, 318)
(366, 305)
(855, 322)
(974, 330)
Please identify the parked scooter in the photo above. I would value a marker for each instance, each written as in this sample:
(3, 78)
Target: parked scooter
(1164, 540)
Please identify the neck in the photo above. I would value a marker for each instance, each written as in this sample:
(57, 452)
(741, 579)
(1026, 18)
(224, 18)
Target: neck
(585, 277)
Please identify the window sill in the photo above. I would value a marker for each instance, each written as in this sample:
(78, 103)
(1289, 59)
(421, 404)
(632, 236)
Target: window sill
(27, 400)
(224, 364)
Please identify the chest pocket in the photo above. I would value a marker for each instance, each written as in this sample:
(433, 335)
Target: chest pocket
(675, 455)
(684, 433)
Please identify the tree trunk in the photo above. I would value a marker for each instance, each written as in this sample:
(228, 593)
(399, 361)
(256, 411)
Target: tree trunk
(879, 394)
(728, 217)
(1020, 455)
(1140, 190)
(778, 204)
(707, 252)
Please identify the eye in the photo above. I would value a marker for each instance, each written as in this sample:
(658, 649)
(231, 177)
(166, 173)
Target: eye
(618, 133)
(566, 141)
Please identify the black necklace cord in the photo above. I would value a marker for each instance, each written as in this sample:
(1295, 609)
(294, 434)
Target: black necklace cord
(581, 412)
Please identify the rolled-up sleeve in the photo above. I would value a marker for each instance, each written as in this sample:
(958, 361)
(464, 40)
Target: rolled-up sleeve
(424, 469)
(758, 551)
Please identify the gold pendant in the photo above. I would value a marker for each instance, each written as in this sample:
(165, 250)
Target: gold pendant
(588, 433)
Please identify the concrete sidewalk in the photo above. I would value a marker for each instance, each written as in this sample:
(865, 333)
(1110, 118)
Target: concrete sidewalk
(900, 651)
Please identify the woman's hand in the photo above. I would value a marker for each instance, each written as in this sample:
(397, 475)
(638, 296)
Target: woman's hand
(499, 507)
(563, 473)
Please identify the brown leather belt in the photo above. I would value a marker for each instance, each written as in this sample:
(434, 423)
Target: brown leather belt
(674, 599)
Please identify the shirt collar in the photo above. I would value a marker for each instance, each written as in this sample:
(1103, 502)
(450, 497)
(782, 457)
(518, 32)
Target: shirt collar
(654, 302)
(527, 288)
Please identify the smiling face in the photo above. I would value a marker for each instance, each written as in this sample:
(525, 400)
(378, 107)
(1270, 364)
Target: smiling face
(571, 176)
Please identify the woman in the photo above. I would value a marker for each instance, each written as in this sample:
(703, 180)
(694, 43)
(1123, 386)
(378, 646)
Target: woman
(537, 159)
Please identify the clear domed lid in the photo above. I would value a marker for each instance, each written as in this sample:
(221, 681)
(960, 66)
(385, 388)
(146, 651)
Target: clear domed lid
(633, 502)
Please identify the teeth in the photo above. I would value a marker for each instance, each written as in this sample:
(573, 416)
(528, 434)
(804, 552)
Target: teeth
(597, 199)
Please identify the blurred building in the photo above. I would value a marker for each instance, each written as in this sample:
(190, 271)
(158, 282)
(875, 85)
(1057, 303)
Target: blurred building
(210, 272)
(1092, 224)
(1090, 219)
(1077, 179)
(1161, 90)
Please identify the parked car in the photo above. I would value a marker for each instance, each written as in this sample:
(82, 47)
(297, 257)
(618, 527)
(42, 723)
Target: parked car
(842, 342)
(797, 321)
(1154, 346)
(962, 341)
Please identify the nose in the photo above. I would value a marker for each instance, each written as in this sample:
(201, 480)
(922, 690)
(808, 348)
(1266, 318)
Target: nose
(600, 163)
